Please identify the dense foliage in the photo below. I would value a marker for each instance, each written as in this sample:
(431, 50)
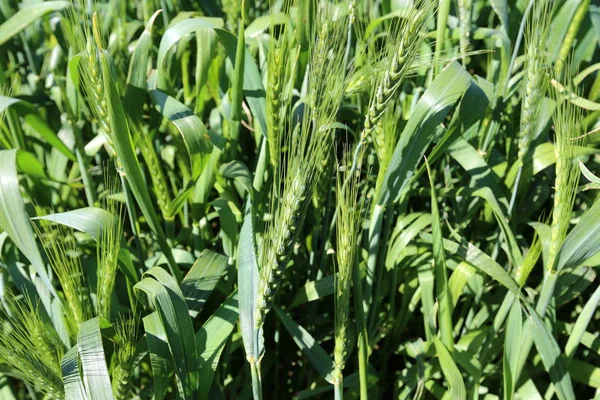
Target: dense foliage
(299, 199)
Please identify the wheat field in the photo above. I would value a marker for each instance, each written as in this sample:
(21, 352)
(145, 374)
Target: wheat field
(299, 199)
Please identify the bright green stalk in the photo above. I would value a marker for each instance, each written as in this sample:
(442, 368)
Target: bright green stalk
(442, 22)
(464, 19)
(565, 47)
(517, 45)
(237, 86)
(256, 381)
(363, 336)
(441, 276)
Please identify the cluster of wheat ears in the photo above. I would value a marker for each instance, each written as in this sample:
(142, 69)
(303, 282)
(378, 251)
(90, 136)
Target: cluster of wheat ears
(399, 181)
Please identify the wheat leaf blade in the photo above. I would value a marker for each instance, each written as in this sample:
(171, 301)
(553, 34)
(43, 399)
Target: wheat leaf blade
(201, 279)
(211, 340)
(248, 280)
(26, 16)
(309, 346)
(93, 361)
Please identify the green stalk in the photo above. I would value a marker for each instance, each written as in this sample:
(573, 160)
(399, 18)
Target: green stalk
(256, 381)
(377, 297)
(375, 230)
(517, 46)
(565, 47)
(338, 389)
(546, 295)
(261, 167)
(237, 87)
(16, 129)
(363, 338)
(513, 196)
(129, 203)
(90, 190)
(442, 22)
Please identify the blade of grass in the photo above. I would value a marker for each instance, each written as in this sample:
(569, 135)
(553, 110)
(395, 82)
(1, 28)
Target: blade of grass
(26, 16)
(317, 356)
(93, 361)
(13, 217)
(211, 340)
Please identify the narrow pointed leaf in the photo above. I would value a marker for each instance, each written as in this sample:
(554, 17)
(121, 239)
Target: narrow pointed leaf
(319, 359)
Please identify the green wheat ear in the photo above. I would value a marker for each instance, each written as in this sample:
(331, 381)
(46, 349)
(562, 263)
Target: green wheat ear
(308, 145)
(61, 248)
(402, 49)
(535, 81)
(348, 232)
(121, 373)
(281, 67)
(32, 347)
(108, 247)
(570, 129)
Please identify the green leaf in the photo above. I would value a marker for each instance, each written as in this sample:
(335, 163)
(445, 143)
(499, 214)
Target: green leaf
(583, 320)
(29, 165)
(90, 220)
(26, 16)
(441, 275)
(138, 72)
(309, 346)
(239, 171)
(161, 358)
(248, 280)
(194, 133)
(173, 35)
(93, 361)
(431, 110)
(261, 24)
(512, 348)
(31, 117)
(582, 242)
(551, 357)
(586, 373)
(201, 279)
(479, 260)
(314, 290)
(164, 295)
(14, 219)
(211, 340)
(501, 9)
(588, 174)
(72, 376)
(254, 91)
(450, 371)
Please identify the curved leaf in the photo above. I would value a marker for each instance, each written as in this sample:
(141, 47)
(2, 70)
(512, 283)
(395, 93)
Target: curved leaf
(211, 340)
(31, 117)
(27, 15)
(13, 217)
(194, 133)
(164, 295)
(93, 362)
(309, 346)
(248, 280)
(431, 110)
